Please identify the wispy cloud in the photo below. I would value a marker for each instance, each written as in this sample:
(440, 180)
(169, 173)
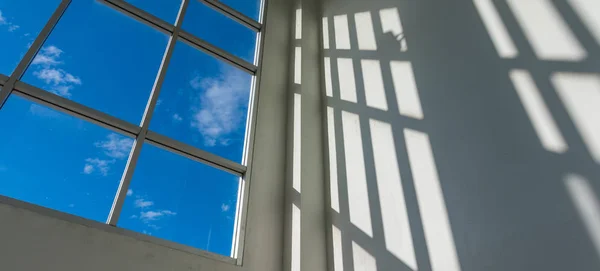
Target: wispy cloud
(147, 215)
(142, 203)
(97, 165)
(5, 22)
(129, 192)
(48, 55)
(57, 80)
(225, 207)
(43, 111)
(155, 215)
(177, 118)
(115, 146)
(2, 19)
(57, 77)
(222, 106)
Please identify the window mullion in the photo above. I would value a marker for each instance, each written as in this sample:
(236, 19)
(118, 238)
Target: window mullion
(35, 47)
(119, 200)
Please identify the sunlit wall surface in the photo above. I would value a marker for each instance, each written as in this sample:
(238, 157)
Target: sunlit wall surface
(133, 113)
(462, 135)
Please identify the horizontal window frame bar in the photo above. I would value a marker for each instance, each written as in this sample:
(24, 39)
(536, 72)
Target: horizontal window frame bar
(167, 28)
(233, 14)
(217, 52)
(70, 218)
(195, 154)
(115, 124)
(141, 15)
(75, 109)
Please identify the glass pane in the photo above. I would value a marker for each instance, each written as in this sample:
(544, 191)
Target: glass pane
(58, 161)
(219, 30)
(250, 8)
(19, 26)
(100, 58)
(204, 103)
(163, 9)
(183, 201)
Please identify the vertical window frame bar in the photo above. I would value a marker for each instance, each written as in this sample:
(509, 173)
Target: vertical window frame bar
(119, 199)
(32, 51)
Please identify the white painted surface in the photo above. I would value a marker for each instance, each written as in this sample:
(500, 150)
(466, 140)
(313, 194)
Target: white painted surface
(580, 94)
(373, 83)
(364, 31)
(586, 201)
(297, 154)
(495, 26)
(358, 198)
(391, 24)
(589, 11)
(362, 259)
(298, 19)
(346, 79)
(405, 86)
(538, 112)
(333, 175)
(546, 31)
(436, 225)
(327, 71)
(396, 227)
(296, 234)
(338, 257)
(297, 65)
(342, 34)
(325, 32)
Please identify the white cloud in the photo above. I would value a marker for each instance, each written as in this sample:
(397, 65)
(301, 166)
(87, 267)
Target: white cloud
(88, 169)
(177, 117)
(222, 106)
(97, 165)
(58, 81)
(48, 56)
(116, 146)
(154, 215)
(129, 192)
(2, 19)
(43, 111)
(225, 207)
(142, 203)
(57, 77)
(11, 27)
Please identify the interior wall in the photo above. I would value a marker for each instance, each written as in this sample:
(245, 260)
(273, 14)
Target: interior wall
(462, 135)
(35, 238)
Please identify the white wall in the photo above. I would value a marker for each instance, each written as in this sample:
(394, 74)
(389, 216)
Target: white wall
(33, 238)
(463, 135)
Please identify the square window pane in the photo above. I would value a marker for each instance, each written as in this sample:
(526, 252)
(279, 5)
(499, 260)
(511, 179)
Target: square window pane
(180, 200)
(164, 9)
(19, 26)
(250, 8)
(100, 58)
(204, 103)
(219, 30)
(59, 161)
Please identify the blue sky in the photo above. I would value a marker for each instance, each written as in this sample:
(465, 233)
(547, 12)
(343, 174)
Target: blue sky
(107, 61)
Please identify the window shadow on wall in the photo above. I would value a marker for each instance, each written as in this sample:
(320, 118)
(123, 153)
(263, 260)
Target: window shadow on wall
(463, 135)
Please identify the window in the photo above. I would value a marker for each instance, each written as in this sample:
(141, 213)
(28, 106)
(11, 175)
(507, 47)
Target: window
(132, 113)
